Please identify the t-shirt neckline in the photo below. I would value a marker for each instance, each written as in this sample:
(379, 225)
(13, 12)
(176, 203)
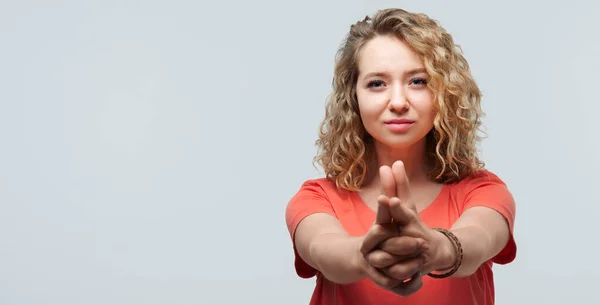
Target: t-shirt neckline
(442, 194)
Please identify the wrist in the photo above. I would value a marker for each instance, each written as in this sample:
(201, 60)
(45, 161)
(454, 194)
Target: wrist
(358, 261)
(445, 256)
(338, 257)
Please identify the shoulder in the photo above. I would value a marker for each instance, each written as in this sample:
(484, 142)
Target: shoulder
(484, 188)
(482, 176)
(323, 187)
(319, 194)
(322, 183)
(481, 179)
(314, 196)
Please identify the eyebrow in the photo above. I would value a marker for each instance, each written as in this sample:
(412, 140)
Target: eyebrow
(410, 72)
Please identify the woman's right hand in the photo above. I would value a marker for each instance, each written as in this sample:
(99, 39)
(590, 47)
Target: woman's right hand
(397, 266)
(391, 260)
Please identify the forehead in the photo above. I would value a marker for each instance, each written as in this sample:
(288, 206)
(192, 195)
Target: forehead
(387, 53)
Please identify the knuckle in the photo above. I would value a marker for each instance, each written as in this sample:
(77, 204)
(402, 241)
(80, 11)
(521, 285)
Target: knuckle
(372, 259)
(400, 245)
(405, 270)
(388, 243)
(377, 230)
(404, 242)
(391, 248)
(398, 271)
(379, 259)
(381, 279)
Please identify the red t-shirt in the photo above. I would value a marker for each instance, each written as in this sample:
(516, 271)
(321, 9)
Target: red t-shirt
(484, 189)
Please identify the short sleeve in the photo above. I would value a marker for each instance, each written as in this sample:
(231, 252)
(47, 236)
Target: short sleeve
(488, 190)
(310, 199)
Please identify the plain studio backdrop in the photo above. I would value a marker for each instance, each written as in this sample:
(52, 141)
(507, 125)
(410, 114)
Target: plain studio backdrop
(149, 148)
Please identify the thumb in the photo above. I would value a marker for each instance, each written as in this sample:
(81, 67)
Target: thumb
(400, 212)
(383, 210)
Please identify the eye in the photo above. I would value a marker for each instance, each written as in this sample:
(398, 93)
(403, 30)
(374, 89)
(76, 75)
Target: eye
(375, 84)
(418, 81)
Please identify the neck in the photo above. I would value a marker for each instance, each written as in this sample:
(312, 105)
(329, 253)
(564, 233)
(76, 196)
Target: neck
(413, 158)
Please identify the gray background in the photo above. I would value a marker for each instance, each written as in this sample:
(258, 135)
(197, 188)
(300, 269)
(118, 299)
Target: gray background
(149, 148)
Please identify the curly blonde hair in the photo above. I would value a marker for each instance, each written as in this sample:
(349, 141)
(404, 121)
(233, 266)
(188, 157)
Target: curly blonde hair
(345, 148)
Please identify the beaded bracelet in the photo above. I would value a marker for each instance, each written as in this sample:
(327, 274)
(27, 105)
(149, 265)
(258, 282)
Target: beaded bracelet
(459, 254)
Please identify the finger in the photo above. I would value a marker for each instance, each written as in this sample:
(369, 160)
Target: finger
(401, 180)
(403, 246)
(409, 287)
(405, 269)
(381, 259)
(387, 181)
(377, 234)
(401, 212)
(381, 279)
(383, 210)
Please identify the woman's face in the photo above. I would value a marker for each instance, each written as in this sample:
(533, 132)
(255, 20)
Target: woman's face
(395, 104)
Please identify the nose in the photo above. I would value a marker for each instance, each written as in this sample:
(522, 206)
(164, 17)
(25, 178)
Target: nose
(398, 100)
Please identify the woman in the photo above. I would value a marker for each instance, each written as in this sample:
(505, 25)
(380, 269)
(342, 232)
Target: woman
(407, 213)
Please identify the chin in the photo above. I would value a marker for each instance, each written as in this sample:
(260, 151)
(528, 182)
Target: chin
(399, 141)
(396, 143)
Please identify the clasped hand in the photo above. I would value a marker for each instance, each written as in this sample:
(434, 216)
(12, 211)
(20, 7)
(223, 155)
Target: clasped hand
(399, 248)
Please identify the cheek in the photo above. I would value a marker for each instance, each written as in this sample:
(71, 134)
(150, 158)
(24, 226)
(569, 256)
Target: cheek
(371, 104)
(365, 106)
(369, 115)
(423, 102)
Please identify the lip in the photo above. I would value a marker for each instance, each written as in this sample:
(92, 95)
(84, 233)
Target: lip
(399, 125)
(399, 121)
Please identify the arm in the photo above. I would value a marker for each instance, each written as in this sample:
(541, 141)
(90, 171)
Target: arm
(483, 233)
(322, 243)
